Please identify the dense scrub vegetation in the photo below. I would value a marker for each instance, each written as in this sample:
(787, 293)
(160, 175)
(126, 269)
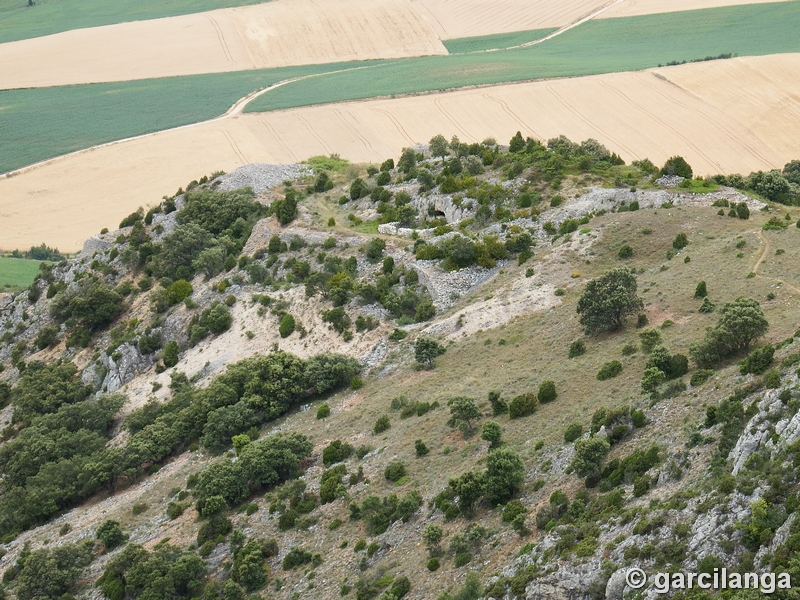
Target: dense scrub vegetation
(56, 451)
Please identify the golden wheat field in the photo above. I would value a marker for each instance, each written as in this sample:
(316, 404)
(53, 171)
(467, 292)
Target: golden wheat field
(275, 34)
(723, 116)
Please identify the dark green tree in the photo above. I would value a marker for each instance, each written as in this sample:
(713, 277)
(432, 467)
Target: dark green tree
(408, 160)
(52, 573)
(274, 245)
(517, 143)
(680, 241)
(547, 392)
(468, 487)
(492, 433)
(420, 448)
(110, 533)
(792, 172)
(701, 291)
(328, 371)
(374, 249)
(607, 300)
(171, 354)
(217, 211)
(285, 209)
(742, 211)
(523, 405)
(677, 165)
(438, 146)
(286, 327)
(505, 473)
(426, 350)
(323, 183)
(589, 455)
(463, 414)
(358, 189)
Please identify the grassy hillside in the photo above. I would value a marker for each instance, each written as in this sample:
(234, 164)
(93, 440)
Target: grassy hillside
(178, 354)
(602, 46)
(495, 41)
(18, 21)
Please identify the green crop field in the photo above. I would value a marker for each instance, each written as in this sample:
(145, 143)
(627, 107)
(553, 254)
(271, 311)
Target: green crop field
(17, 273)
(18, 21)
(603, 46)
(496, 41)
(36, 124)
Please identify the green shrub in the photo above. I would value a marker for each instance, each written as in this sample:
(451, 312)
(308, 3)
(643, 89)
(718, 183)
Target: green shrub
(609, 370)
(433, 564)
(499, 406)
(512, 510)
(296, 557)
(374, 249)
(577, 348)
(652, 378)
(677, 165)
(420, 448)
(700, 376)
(775, 224)
(398, 335)
(287, 325)
(492, 433)
(110, 534)
(758, 361)
(216, 318)
(707, 306)
(547, 392)
(176, 509)
(47, 337)
(463, 414)
(323, 411)
(625, 251)
(573, 432)
(358, 189)
(91, 305)
(772, 379)
(381, 425)
(336, 451)
(650, 338)
(285, 209)
(178, 291)
(171, 354)
(589, 454)
(331, 486)
(328, 371)
(680, 241)
(701, 291)
(394, 471)
(523, 405)
(741, 322)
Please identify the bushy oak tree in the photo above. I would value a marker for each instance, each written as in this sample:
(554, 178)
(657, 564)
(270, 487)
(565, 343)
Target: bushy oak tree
(607, 300)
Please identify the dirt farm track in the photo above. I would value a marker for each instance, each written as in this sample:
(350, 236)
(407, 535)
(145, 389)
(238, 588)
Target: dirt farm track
(703, 111)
